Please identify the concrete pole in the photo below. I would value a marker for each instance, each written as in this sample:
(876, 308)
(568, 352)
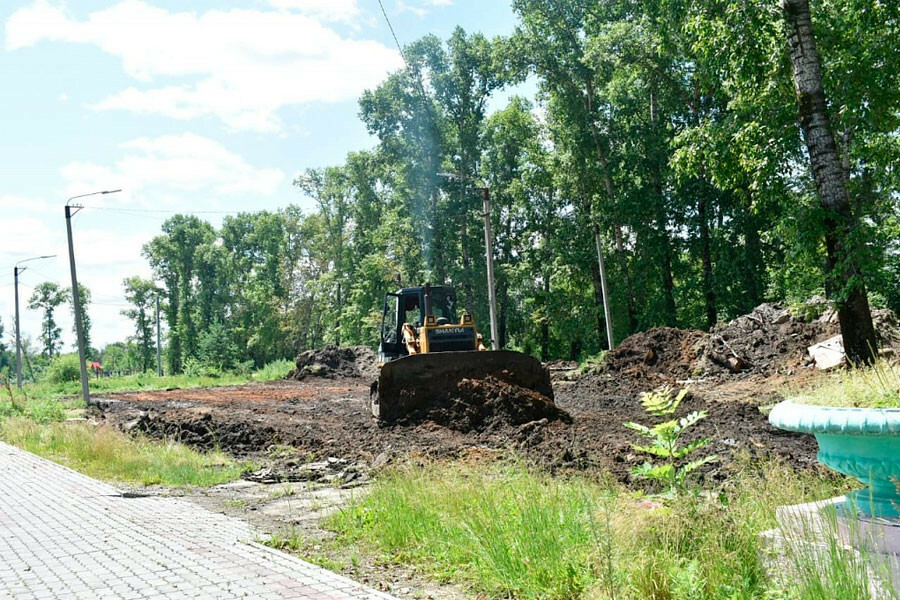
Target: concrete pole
(489, 252)
(18, 339)
(76, 299)
(158, 337)
(606, 311)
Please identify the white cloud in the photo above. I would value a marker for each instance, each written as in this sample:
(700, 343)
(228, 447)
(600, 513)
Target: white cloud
(420, 8)
(241, 66)
(326, 10)
(180, 163)
(11, 203)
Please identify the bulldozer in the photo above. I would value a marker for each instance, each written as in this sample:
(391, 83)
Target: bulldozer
(427, 348)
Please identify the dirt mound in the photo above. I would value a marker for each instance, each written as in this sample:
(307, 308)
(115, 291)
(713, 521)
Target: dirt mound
(203, 430)
(665, 351)
(478, 405)
(761, 342)
(336, 361)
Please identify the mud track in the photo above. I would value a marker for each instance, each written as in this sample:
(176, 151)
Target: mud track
(328, 418)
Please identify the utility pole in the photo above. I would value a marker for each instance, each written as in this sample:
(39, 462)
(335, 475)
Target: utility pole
(158, 337)
(606, 311)
(16, 271)
(76, 295)
(18, 338)
(489, 251)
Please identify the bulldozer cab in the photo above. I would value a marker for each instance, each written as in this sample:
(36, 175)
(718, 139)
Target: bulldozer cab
(407, 306)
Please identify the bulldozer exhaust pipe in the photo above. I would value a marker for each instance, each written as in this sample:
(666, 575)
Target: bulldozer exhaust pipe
(427, 307)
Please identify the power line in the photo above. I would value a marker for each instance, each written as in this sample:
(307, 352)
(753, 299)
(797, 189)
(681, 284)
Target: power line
(391, 27)
(169, 212)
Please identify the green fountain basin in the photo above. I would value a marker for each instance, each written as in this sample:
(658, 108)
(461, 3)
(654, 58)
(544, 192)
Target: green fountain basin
(860, 442)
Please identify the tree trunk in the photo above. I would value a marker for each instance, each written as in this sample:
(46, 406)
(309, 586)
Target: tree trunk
(842, 269)
(709, 293)
(661, 220)
(753, 257)
(545, 323)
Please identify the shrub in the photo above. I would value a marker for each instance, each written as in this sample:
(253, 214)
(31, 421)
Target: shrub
(64, 368)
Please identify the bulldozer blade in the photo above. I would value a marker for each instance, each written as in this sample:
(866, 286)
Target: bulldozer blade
(413, 383)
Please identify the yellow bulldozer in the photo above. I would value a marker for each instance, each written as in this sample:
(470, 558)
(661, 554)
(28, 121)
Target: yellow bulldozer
(426, 349)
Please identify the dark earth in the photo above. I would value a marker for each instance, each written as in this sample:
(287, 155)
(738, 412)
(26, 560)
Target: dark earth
(325, 414)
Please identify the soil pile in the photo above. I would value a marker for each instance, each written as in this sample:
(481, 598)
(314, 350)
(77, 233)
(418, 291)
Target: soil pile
(661, 351)
(489, 404)
(335, 361)
(761, 342)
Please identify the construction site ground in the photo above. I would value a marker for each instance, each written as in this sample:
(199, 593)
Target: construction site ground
(317, 445)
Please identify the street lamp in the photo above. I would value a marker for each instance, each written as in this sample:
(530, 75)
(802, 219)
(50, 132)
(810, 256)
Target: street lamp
(16, 271)
(489, 254)
(76, 296)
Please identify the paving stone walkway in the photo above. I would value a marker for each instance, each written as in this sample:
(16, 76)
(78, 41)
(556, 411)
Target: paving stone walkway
(64, 535)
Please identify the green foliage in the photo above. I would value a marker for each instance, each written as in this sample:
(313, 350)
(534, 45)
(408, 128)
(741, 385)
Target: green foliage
(47, 297)
(215, 348)
(665, 440)
(665, 132)
(143, 295)
(64, 368)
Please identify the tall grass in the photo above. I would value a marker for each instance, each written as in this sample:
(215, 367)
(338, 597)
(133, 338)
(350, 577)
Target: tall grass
(274, 370)
(108, 454)
(513, 533)
(877, 386)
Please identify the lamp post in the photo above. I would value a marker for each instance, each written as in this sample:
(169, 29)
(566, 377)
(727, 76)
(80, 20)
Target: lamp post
(76, 295)
(16, 271)
(489, 255)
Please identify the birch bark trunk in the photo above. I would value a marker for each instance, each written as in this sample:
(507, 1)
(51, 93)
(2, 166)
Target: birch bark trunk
(842, 269)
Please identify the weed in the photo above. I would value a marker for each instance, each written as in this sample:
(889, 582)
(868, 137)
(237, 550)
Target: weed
(664, 440)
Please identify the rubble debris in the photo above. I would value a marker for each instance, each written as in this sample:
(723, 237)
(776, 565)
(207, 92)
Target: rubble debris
(333, 471)
(335, 361)
(759, 342)
(828, 354)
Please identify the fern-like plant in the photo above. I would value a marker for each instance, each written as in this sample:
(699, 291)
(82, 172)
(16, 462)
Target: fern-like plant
(665, 440)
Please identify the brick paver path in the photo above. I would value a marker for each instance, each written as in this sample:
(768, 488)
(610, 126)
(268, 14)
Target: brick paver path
(64, 535)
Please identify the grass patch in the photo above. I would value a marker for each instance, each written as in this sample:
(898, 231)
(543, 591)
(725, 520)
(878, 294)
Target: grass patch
(509, 532)
(865, 387)
(591, 364)
(109, 454)
(274, 370)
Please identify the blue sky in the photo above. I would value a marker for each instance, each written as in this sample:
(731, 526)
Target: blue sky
(186, 106)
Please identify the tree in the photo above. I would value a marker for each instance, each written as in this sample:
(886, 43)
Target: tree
(142, 293)
(47, 297)
(842, 268)
(183, 259)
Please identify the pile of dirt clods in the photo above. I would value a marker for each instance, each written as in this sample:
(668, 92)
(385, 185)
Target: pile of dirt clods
(335, 361)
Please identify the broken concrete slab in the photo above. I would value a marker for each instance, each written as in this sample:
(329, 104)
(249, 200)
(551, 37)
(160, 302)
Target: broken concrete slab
(828, 354)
